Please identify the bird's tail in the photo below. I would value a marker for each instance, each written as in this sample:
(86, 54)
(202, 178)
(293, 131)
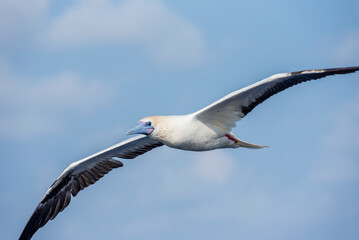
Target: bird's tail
(249, 145)
(240, 143)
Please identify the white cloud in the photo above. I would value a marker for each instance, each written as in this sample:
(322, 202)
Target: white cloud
(166, 36)
(147, 25)
(36, 107)
(20, 18)
(213, 167)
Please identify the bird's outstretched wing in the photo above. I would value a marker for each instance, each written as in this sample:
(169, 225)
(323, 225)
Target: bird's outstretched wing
(82, 174)
(225, 112)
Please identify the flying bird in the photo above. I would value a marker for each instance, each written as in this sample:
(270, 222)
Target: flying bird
(206, 129)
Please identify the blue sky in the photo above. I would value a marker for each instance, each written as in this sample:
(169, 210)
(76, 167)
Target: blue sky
(76, 75)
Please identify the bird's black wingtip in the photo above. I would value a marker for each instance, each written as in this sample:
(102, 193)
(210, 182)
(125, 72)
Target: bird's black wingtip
(32, 225)
(330, 71)
(344, 70)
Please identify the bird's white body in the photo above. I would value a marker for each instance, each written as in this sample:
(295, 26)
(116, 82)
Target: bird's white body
(186, 132)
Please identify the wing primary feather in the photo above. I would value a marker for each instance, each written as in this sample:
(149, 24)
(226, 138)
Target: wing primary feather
(87, 180)
(75, 187)
(81, 182)
(57, 209)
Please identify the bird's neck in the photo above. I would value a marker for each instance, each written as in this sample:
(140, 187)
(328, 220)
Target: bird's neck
(168, 128)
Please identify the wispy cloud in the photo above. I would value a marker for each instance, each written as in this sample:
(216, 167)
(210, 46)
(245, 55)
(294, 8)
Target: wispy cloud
(19, 19)
(213, 167)
(150, 25)
(36, 107)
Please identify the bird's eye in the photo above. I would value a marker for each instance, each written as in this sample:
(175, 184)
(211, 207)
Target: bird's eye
(148, 123)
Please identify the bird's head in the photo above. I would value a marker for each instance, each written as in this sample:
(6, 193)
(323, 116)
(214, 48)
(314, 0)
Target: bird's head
(145, 126)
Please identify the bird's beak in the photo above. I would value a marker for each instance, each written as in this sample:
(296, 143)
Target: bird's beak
(141, 128)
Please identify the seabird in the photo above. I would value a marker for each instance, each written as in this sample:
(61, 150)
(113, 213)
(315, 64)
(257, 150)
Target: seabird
(206, 129)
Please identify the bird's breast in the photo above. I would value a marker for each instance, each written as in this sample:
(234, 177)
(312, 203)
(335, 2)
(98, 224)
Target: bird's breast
(193, 135)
